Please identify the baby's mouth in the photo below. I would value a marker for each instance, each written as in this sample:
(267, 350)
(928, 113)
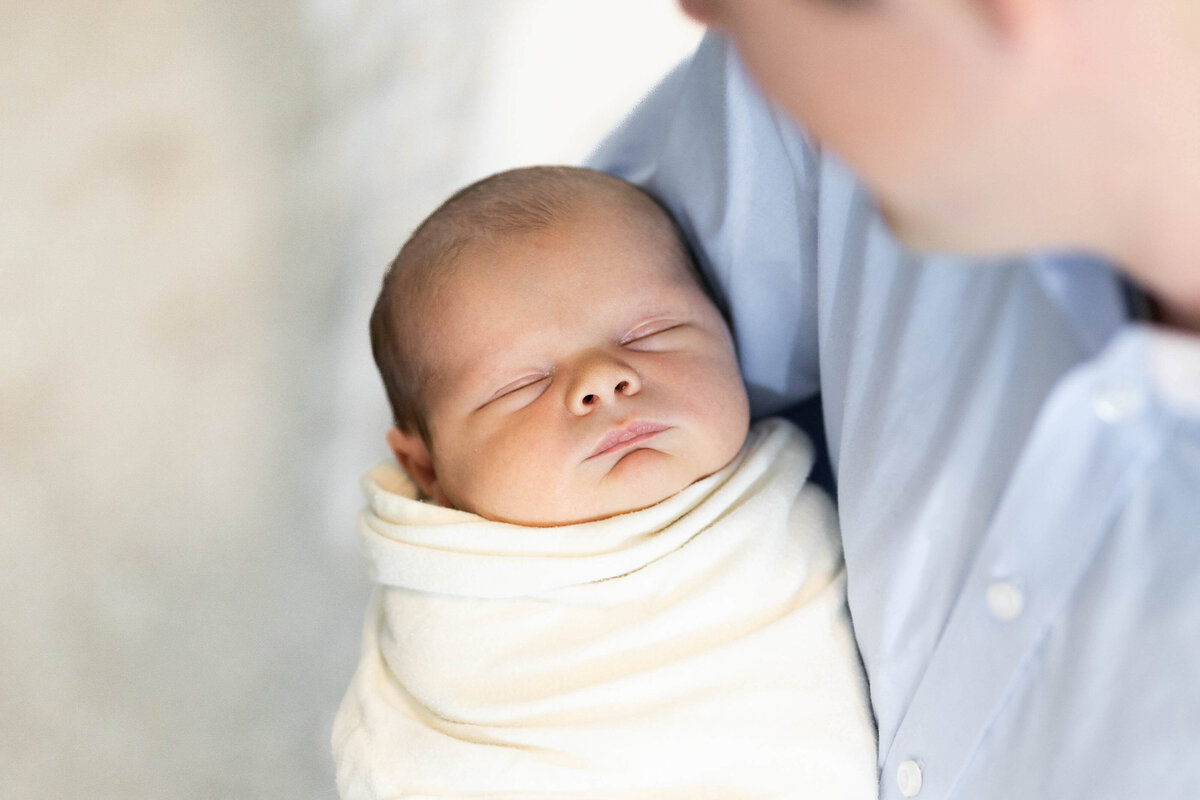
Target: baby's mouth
(631, 434)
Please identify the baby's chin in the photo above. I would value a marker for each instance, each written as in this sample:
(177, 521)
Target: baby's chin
(624, 495)
(554, 518)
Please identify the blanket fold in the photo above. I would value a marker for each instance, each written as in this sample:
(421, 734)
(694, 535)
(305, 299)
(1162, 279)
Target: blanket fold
(697, 648)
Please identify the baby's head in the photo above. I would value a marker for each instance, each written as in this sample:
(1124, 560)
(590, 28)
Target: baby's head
(550, 353)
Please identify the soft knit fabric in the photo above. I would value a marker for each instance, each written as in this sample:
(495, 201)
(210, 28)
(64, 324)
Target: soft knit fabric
(697, 648)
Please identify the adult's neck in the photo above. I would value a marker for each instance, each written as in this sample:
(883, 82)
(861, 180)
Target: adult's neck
(1180, 318)
(1153, 164)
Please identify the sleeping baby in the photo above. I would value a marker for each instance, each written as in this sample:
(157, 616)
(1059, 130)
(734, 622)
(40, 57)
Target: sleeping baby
(593, 579)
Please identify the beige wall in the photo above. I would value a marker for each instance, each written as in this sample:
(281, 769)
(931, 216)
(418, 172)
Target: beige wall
(196, 202)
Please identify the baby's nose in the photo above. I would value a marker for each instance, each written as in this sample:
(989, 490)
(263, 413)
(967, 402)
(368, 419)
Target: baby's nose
(600, 381)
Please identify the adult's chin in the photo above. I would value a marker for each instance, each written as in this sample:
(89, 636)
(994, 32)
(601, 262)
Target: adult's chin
(915, 231)
(931, 234)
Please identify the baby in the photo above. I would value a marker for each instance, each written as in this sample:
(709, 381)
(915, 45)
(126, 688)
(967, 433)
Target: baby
(592, 581)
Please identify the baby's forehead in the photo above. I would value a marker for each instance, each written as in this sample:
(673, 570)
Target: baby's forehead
(464, 247)
(479, 252)
(519, 274)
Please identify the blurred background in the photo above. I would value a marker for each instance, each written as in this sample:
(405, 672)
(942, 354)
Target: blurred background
(197, 201)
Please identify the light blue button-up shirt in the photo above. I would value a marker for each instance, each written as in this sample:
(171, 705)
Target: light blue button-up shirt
(1019, 494)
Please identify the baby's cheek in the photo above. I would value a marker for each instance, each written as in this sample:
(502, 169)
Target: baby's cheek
(722, 413)
(504, 483)
(464, 478)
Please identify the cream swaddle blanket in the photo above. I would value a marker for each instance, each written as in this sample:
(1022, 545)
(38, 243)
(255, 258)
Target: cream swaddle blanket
(696, 648)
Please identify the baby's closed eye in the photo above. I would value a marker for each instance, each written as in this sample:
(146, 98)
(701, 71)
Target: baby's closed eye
(520, 391)
(657, 335)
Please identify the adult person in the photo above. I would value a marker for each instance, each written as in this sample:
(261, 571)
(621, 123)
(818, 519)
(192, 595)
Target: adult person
(1015, 438)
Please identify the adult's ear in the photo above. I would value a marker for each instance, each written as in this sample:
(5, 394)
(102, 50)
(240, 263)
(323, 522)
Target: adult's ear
(414, 457)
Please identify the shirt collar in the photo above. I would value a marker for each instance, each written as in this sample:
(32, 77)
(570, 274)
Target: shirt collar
(1089, 292)
(1174, 365)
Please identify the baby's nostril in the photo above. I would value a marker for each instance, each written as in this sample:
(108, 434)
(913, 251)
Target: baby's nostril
(588, 399)
(622, 387)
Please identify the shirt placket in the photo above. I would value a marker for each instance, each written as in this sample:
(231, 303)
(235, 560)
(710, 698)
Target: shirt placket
(1093, 438)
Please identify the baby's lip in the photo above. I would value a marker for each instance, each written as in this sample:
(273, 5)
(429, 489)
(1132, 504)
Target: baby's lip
(630, 434)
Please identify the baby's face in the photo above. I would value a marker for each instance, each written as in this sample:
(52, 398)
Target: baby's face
(577, 373)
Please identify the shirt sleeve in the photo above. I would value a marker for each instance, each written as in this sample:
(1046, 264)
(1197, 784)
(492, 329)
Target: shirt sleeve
(741, 181)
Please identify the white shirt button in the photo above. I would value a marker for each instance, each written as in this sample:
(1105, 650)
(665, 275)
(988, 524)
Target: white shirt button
(1005, 600)
(1117, 401)
(908, 776)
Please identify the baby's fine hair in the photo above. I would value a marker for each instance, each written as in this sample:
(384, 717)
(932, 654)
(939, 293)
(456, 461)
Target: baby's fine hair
(508, 203)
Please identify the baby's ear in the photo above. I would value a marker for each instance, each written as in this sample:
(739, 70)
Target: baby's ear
(414, 457)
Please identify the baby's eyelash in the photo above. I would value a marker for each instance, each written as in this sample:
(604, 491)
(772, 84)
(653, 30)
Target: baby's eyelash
(649, 329)
(517, 385)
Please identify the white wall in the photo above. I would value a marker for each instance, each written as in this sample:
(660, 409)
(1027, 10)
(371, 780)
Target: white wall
(197, 200)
